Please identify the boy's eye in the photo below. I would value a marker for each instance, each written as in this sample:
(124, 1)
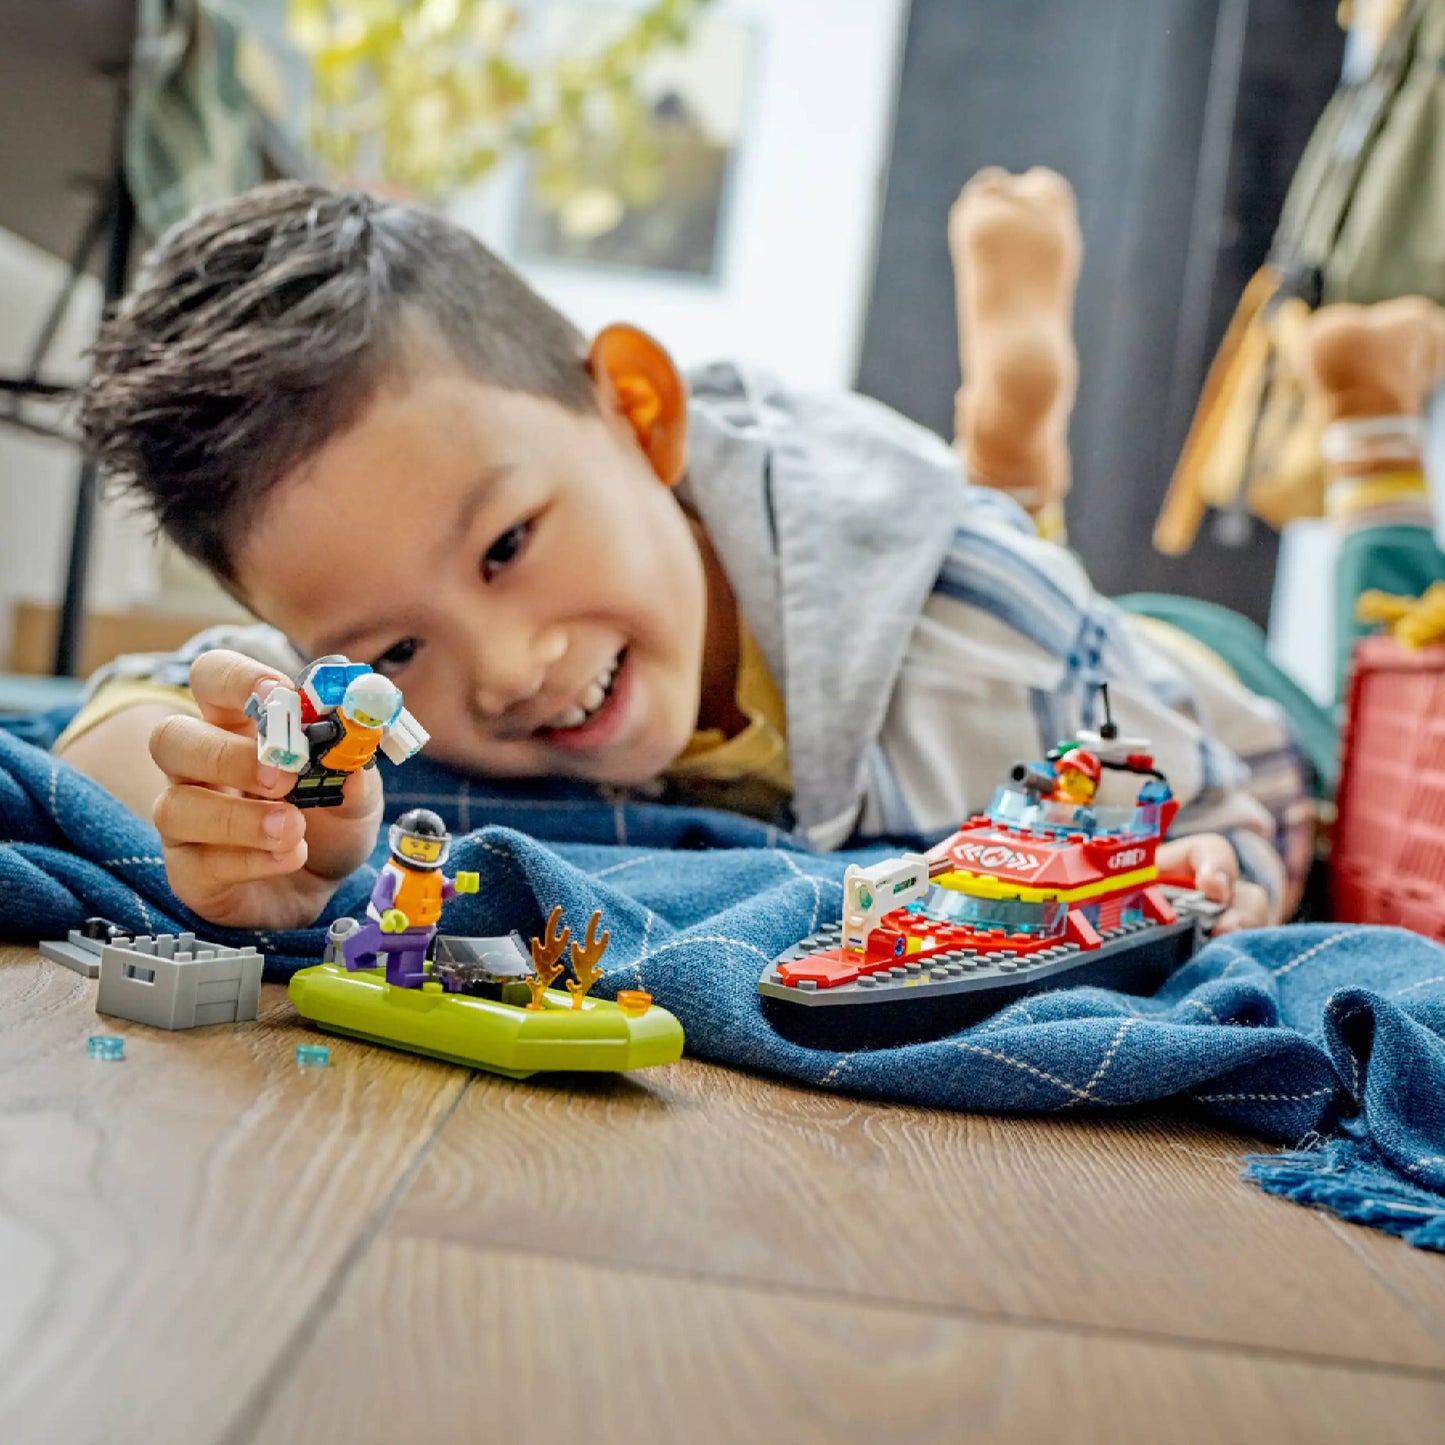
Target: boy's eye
(506, 549)
(396, 657)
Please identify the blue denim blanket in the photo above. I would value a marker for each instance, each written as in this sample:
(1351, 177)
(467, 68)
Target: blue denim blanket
(1328, 1039)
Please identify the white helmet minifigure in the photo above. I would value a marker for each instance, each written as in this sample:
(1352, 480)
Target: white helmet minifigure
(372, 700)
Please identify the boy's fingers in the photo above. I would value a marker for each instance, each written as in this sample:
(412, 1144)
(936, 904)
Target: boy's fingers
(222, 681)
(185, 814)
(197, 871)
(188, 750)
(1214, 864)
(1250, 909)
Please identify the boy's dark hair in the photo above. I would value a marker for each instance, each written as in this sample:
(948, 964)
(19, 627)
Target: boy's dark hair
(260, 327)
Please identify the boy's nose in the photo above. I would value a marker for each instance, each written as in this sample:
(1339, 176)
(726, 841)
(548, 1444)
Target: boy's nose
(512, 670)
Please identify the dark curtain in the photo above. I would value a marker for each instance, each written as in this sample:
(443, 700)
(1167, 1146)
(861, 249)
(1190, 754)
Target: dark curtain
(1179, 123)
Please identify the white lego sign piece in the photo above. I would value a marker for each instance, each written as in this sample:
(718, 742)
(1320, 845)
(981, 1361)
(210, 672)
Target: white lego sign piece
(177, 981)
(869, 893)
(280, 742)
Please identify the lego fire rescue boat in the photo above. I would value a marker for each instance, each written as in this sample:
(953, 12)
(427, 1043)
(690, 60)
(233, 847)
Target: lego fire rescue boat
(1044, 890)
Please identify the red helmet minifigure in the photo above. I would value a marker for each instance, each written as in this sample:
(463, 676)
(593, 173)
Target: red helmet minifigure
(1078, 772)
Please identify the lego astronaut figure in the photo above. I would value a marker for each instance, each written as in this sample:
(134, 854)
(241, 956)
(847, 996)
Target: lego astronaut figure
(406, 902)
(330, 725)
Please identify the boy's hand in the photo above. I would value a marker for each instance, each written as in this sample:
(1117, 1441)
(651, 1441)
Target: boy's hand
(235, 853)
(1211, 861)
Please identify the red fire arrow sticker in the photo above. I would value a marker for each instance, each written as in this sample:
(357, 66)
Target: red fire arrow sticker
(990, 857)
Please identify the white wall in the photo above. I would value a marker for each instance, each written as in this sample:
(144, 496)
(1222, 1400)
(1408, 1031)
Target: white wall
(800, 224)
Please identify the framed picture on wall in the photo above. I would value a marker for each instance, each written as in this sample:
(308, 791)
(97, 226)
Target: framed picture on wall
(648, 186)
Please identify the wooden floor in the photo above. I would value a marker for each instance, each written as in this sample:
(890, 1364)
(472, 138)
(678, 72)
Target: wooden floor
(205, 1243)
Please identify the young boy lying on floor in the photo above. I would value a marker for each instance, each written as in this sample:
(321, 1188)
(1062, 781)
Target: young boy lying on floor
(731, 593)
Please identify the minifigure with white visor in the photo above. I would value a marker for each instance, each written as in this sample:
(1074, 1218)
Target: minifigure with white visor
(331, 724)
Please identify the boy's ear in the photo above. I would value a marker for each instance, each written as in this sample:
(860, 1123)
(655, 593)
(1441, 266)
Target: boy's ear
(637, 376)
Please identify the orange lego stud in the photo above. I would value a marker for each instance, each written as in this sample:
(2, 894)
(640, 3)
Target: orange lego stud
(634, 1002)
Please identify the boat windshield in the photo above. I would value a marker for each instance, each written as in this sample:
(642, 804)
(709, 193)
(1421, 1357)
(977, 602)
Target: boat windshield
(948, 905)
(1023, 810)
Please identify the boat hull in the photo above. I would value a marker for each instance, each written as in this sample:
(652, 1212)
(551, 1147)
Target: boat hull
(481, 1033)
(921, 1000)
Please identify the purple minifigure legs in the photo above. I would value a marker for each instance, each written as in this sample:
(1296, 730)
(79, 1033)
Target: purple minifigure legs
(405, 952)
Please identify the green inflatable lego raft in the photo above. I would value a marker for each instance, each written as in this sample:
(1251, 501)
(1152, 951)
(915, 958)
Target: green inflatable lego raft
(484, 1033)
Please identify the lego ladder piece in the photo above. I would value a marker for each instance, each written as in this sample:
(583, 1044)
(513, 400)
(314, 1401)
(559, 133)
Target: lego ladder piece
(176, 981)
(81, 947)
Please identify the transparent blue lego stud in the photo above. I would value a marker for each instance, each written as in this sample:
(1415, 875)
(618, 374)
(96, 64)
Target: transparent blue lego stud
(312, 1056)
(105, 1046)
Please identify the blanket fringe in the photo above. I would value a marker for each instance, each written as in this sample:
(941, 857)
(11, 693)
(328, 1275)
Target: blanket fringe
(1340, 1178)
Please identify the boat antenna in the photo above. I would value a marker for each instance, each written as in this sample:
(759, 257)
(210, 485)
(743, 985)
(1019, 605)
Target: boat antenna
(1108, 729)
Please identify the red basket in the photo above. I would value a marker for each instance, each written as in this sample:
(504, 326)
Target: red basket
(1388, 858)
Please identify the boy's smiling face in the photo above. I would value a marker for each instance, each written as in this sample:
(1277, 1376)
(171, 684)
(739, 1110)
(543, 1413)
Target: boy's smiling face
(519, 570)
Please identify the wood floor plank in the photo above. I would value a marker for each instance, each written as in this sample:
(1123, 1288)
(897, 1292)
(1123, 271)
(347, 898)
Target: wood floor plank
(436, 1341)
(167, 1222)
(1129, 1222)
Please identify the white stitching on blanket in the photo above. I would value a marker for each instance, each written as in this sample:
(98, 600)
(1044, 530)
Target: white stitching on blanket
(626, 863)
(122, 862)
(1204, 1009)
(636, 964)
(1233, 954)
(1109, 1056)
(1423, 983)
(1310, 952)
(1021, 1008)
(1063, 1084)
(817, 891)
(705, 938)
(1341, 1018)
